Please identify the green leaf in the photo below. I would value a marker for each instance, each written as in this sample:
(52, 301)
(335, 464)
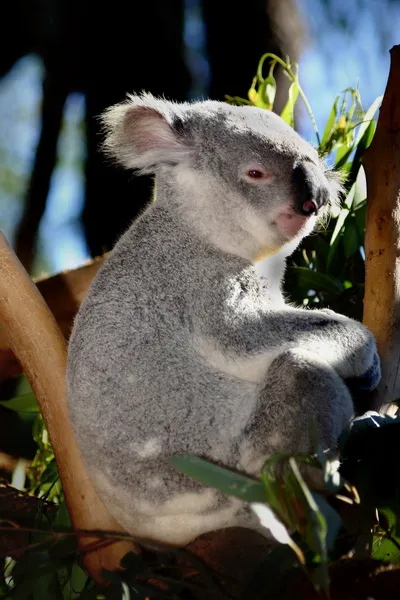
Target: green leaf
(266, 93)
(358, 189)
(236, 101)
(315, 528)
(312, 280)
(343, 157)
(390, 518)
(367, 119)
(273, 484)
(226, 481)
(287, 113)
(360, 192)
(343, 152)
(50, 474)
(329, 125)
(22, 404)
(350, 114)
(364, 143)
(351, 241)
(386, 547)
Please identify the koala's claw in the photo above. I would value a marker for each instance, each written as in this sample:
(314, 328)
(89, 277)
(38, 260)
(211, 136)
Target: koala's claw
(368, 380)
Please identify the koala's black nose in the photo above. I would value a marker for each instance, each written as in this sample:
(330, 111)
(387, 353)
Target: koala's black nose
(310, 192)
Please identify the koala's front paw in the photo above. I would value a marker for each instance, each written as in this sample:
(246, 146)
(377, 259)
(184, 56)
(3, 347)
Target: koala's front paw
(368, 380)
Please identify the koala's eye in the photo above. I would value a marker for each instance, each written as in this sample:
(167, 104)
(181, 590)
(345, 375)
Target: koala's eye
(257, 174)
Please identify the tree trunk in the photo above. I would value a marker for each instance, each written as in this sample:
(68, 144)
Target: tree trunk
(382, 236)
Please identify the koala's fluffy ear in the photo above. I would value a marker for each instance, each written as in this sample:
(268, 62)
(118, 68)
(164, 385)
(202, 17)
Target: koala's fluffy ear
(140, 134)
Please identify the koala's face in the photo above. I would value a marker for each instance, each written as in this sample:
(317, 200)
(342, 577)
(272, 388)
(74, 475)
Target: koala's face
(239, 164)
(252, 154)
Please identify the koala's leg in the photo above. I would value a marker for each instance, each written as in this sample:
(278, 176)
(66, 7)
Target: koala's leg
(299, 387)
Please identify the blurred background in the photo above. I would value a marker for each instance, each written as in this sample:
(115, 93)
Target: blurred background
(62, 62)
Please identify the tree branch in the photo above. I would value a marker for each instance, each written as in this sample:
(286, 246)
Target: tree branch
(39, 345)
(63, 293)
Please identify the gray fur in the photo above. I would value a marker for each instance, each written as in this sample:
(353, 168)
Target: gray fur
(184, 343)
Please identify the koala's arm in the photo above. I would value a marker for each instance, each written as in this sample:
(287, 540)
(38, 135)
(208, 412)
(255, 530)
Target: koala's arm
(345, 344)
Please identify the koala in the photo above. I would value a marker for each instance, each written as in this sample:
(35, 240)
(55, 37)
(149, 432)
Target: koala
(184, 342)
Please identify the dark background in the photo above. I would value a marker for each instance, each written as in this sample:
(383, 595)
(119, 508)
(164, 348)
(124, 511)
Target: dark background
(62, 62)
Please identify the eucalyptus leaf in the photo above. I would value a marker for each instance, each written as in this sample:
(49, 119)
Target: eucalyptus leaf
(390, 518)
(351, 241)
(287, 113)
(266, 93)
(275, 495)
(314, 527)
(343, 156)
(330, 124)
(363, 145)
(22, 404)
(360, 192)
(50, 474)
(335, 238)
(370, 113)
(211, 475)
(343, 151)
(353, 200)
(386, 548)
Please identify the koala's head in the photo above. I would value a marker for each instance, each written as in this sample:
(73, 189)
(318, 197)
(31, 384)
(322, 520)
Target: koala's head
(240, 175)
